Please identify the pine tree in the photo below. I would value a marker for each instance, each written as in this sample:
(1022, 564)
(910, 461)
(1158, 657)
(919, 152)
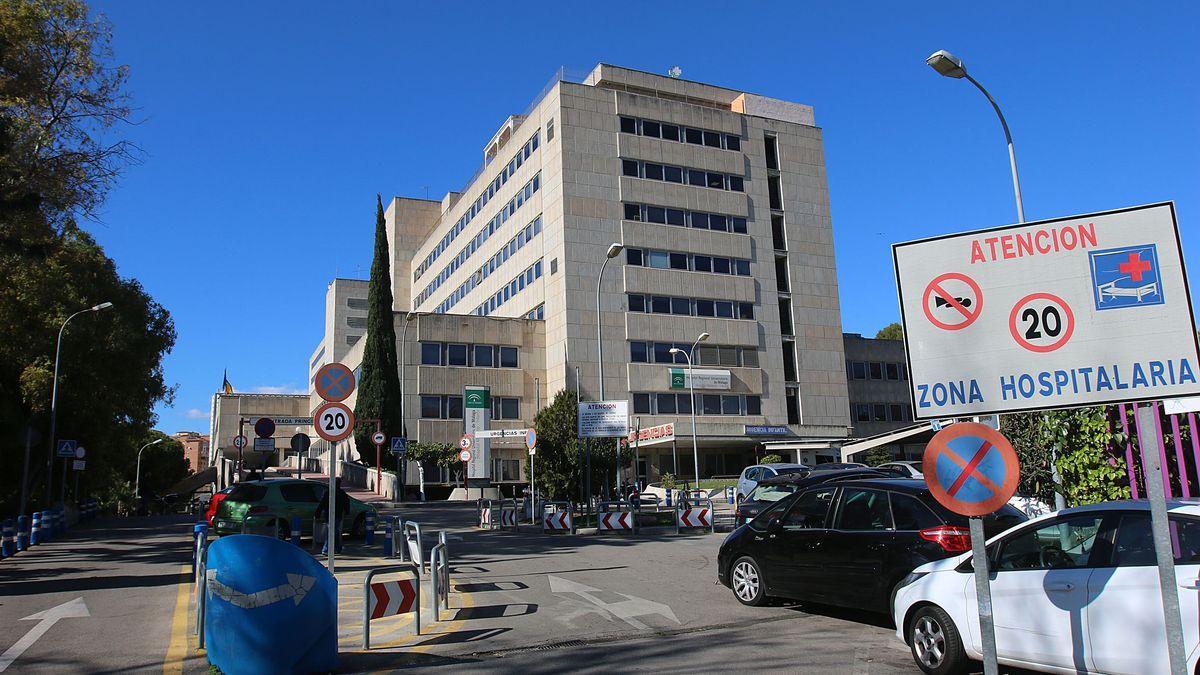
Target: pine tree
(379, 384)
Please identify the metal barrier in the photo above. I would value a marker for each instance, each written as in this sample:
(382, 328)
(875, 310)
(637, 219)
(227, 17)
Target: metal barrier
(413, 550)
(439, 572)
(201, 584)
(695, 516)
(556, 517)
(391, 597)
(621, 520)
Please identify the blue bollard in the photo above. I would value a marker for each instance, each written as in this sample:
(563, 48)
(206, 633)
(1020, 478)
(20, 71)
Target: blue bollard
(47, 526)
(35, 531)
(22, 533)
(668, 504)
(369, 536)
(199, 532)
(296, 530)
(387, 538)
(8, 548)
(730, 493)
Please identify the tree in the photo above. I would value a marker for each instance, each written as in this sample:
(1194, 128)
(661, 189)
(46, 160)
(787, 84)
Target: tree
(1083, 439)
(770, 459)
(878, 455)
(379, 385)
(438, 454)
(892, 331)
(562, 455)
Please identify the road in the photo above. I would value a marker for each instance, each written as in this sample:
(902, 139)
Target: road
(127, 573)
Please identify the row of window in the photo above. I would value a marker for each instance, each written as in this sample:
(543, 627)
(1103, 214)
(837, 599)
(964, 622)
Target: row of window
(696, 219)
(317, 359)
(356, 303)
(674, 132)
(460, 354)
(513, 287)
(538, 312)
(665, 260)
(487, 193)
(676, 174)
(356, 321)
(662, 304)
(706, 404)
(881, 412)
(522, 237)
(874, 370)
(451, 407)
(706, 355)
(497, 221)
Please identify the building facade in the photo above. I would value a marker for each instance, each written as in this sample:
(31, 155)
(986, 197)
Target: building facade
(718, 201)
(195, 449)
(881, 399)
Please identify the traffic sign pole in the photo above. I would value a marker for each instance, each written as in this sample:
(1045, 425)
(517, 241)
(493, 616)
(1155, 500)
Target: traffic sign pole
(983, 594)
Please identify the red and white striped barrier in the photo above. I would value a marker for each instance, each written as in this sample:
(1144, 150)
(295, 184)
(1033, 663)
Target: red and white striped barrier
(615, 521)
(558, 522)
(508, 519)
(389, 598)
(694, 516)
(485, 517)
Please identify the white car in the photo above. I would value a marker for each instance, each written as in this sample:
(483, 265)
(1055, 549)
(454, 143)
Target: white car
(907, 468)
(752, 474)
(1072, 592)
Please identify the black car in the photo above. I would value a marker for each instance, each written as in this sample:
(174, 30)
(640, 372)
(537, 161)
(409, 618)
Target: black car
(770, 490)
(847, 543)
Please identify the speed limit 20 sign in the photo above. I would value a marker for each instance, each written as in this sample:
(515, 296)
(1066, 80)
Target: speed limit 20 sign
(333, 421)
(1059, 313)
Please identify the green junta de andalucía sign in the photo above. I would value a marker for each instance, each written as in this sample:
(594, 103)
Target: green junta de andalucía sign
(477, 397)
(678, 380)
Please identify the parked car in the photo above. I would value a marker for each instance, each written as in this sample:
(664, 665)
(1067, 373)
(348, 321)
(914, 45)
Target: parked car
(847, 543)
(1073, 591)
(283, 498)
(770, 490)
(905, 468)
(838, 466)
(211, 512)
(751, 475)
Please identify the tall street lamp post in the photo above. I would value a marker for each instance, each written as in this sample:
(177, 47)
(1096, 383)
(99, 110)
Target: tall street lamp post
(614, 250)
(692, 393)
(54, 406)
(137, 480)
(401, 463)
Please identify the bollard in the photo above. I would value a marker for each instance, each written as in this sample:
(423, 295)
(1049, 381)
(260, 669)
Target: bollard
(387, 537)
(199, 540)
(369, 524)
(667, 503)
(9, 546)
(47, 526)
(35, 530)
(296, 530)
(22, 533)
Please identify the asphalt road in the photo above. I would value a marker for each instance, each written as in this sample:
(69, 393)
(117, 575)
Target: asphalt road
(125, 572)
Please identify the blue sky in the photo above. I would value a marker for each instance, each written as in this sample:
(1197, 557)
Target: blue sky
(269, 127)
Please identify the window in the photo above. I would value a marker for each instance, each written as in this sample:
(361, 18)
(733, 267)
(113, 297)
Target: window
(712, 139)
(356, 303)
(718, 222)
(721, 265)
(1062, 544)
(672, 174)
(910, 514)
(549, 130)
(753, 405)
(703, 263)
(629, 167)
(750, 358)
(666, 404)
(772, 149)
(670, 132)
(660, 304)
(897, 413)
(656, 214)
(633, 256)
(879, 412)
(658, 259)
(431, 353)
(679, 261)
(700, 221)
(638, 352)
(248, 493)
(893, 371)
(774, 193)
(484, 356)
(694, 136)
(298, 492)
(737, 184)
(738, 224)
(876, 371)
(633, 212)
(356, 321)
(508, 357)
(724, 309)
(653, 171)
(859, 369)
(651, 129)
(431, 407)
(681, 306)
(733, 142)
(697, 178)
(1134, 545)
(675, 216)
(716, 180)
(706, 308)
(505, 408)
(454, 407)
(862, 412)
(456, 355)
(637, 303)
(662, 353)
(741, 268)
(731, 405)
(864, 510)
(628, 125)
(810, 509)
(711, 404)
(641, 404)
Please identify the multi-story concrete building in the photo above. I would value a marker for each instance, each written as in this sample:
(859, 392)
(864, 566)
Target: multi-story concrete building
(345, 323)
(881, 400)
(195, 449)
(718, 199)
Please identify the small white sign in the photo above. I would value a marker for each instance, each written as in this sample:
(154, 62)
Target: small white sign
(532, 451)
(500, 433)
(703, 378)
(264, 445)
(603, 419)
(1061, 313)
(1179, 406)
(78, 465)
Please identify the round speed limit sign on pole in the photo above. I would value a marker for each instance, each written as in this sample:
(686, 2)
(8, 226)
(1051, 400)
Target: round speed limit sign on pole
(333, 421)
(378, 438)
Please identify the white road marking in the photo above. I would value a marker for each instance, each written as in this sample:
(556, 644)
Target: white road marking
(295, 589)
(625, 610)
(72, 609)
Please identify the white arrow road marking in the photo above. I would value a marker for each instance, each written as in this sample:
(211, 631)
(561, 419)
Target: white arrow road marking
(624, 610)
(295, 589)
(72, 609)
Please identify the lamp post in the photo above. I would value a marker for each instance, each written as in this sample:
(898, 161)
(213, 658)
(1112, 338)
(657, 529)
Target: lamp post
(614, 250)
(692, 393)
(400, 463)
(137, 480)
(54, 404)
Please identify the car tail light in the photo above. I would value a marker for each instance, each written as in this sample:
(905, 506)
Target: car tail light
(952, 538)
(263, 509)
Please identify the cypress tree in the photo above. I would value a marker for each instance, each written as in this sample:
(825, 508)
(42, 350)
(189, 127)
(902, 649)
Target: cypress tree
(379, 382)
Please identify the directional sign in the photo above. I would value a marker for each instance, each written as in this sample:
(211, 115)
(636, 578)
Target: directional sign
(264, 427)
(333, 421)
(239, 441)
(300, 443)
(399, 445)
(378, 438)
(500, 433)
(264, 445)
(971, 468)
(1062, 313)
(464, 456)
(334, 382)
(531, 438)
(67, 448)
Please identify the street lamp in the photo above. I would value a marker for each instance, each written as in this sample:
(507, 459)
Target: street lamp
(692, 393)
(400, 463)
(614, 249)
(948, 65)
(54, 408)
(137, 480)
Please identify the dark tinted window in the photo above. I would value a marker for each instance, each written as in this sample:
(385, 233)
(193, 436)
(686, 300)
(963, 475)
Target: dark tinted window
(654, 171)
(666, 404)
(431, 353)
(633, 212)
(745, 310)
(484, 356)
(670, 132)
(454, 407)
(633, 256)
(508, 409)
(718, 222)
(656, 214)
(674, 217)
(629, 167)
(731, 405)
(706, 308)
(737, 184)
(863, 510)
(739, 225)
(700, 221)
(733, 143)
(456, 355)
(431, 407)
(716, 180)
(628, 125)
(1134, 545)
(703, 263)
(711, 403)
(247, 493)
(754, 407)
(712, 139)
(298, 492)
(508, 357)
(650, 129)
(910, 514)
(742, 267)
(637, 303)
(660, 304)
(681, 306)
(637, 352)
(810, 509)
(721, 265)
(694, 136)
(679, 261)
(696, 178)
(641, 404)
(673, 174)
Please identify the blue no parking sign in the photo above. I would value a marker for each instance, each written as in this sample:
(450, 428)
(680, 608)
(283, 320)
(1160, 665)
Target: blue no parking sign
(971, 469)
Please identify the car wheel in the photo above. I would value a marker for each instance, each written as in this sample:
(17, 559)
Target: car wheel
(936, 645)
(746, 580)
(359, 529)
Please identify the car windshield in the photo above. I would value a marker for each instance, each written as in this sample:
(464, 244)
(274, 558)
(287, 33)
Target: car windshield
(247, 493)
(770, 493)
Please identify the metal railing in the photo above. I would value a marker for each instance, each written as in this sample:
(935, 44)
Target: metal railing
(622, 506)
(556, 511)
(712, 518)
(439, 571)
(412, 550)
(416, 583)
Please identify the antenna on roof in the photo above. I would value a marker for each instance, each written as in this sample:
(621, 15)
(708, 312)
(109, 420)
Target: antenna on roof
(675, 72)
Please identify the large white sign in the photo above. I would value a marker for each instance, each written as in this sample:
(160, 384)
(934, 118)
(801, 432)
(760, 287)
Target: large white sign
(477, 416)
(662, 433)
(685, 378)
(599, 419)
(1054, 314)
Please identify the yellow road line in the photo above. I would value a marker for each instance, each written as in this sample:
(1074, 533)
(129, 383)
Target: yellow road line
(177, 648)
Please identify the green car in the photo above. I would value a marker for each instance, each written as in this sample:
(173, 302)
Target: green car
(272, 503)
